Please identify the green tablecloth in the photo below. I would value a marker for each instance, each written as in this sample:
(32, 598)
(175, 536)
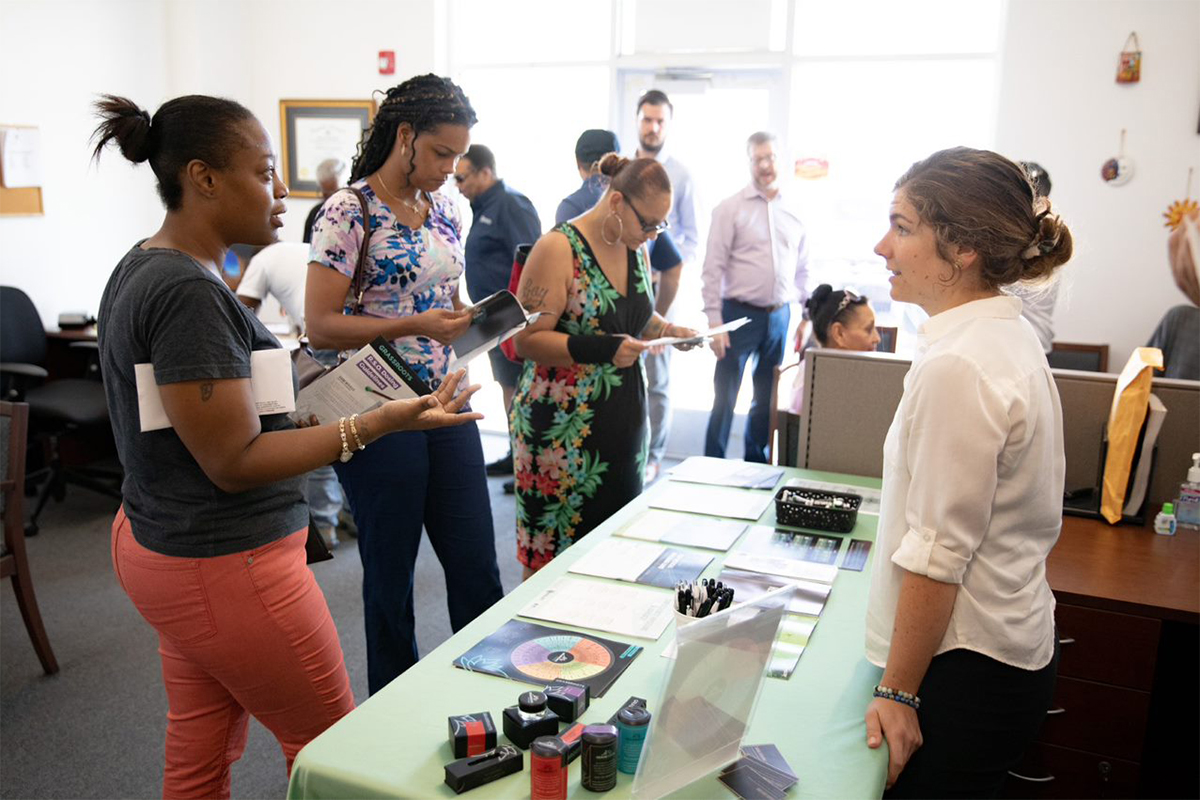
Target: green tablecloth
(395, 744)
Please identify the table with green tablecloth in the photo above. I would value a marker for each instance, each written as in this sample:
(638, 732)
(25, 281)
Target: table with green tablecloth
(395, 744)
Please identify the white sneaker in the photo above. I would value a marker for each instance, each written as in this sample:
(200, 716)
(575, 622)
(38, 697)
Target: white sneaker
(651, 474)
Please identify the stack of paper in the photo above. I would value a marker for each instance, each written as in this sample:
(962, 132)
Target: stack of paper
(669, 527)
(717, 501)
(628, 610)
(639, 562)
(725, 472)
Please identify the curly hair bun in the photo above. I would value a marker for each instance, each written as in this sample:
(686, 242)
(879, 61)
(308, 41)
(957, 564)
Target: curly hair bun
(612, 163)
(1051, 246)
(124, 122)
(817, 299)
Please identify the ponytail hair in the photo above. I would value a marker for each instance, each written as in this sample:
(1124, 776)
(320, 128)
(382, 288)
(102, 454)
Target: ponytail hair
(634, 177)
(193, 127)
(424, 102)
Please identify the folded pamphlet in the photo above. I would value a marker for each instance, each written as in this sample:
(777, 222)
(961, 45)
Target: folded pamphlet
(368, 379)
(494, 319)
(728, 327)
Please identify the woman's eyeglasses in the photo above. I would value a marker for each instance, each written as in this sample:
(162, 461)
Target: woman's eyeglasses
(647, 228)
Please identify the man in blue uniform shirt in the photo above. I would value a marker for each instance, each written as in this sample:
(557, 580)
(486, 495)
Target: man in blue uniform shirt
(501, 219)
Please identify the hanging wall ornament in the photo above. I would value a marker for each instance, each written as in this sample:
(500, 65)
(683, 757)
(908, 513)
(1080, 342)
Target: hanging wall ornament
(1129, 64)
(1181, 208)
(1119, 170)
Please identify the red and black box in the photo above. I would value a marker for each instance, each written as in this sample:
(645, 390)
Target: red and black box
(472, 734)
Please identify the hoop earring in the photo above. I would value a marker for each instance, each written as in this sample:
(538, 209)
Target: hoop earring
(620, 228)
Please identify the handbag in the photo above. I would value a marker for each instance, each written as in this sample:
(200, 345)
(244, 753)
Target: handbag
(308, 369)
(508, 346)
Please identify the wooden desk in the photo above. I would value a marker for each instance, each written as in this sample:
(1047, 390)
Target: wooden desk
(1124, 716)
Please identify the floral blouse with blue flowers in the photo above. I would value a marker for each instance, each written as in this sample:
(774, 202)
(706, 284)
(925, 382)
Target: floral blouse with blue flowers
(408, 270)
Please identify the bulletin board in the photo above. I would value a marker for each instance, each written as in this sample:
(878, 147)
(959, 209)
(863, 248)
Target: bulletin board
(23, 201)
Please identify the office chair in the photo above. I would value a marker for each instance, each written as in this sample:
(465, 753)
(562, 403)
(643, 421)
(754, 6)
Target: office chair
(14, 563)
(1086, 357)
(56, 407)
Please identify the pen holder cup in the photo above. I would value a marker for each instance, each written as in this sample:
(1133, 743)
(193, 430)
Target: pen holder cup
(820, 510)
(683, 619)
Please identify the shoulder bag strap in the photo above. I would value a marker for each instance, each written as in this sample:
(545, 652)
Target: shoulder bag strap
(357, 286)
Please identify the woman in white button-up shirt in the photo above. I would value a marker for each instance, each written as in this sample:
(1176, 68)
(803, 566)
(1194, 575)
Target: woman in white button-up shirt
(961, 617)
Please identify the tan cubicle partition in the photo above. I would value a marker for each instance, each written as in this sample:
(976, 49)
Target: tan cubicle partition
(850, 399)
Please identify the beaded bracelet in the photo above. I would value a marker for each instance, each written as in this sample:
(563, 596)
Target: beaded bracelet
(346, 454)
(354, 432)
(907, 698)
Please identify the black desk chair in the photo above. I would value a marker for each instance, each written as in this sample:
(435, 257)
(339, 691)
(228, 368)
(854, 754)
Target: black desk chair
(56, 407)
(1086, 357)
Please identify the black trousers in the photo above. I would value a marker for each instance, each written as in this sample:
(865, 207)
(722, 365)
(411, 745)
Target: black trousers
(977, 717)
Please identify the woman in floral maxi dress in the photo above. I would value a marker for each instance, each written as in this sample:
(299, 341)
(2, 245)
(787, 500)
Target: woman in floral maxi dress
(578, 419)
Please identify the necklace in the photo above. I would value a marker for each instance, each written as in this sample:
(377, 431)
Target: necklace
(413, 205)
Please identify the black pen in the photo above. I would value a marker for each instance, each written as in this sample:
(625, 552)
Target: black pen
(369, 390)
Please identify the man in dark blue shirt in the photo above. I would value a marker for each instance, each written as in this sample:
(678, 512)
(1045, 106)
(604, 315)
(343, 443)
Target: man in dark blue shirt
(501, 219)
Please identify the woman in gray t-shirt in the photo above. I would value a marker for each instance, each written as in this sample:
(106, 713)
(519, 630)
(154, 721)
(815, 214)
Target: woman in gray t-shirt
(209, 541)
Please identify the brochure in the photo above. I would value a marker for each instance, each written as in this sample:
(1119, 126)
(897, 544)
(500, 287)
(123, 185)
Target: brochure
(270, 383)
(640, 562)
(728, 327)
(366, 380)
(494, 319)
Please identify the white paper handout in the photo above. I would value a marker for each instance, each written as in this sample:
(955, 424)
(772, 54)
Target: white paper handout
(728, 327)
(366, 380)
(622, 560)
(669, 527)
(726, 472)
(787, 567)
(627, 610)
(717, 501)
(21, 157)
(270, 382)
(870, 497)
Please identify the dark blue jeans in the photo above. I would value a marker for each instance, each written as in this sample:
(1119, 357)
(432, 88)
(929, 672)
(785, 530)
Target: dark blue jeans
(763, 337)
(400, 484)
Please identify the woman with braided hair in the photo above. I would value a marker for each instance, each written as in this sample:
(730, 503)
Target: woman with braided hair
(960, 615)
(404, 483)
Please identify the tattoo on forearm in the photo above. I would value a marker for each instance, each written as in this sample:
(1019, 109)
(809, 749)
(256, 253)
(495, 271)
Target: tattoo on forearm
(206, 390)
(533, 296)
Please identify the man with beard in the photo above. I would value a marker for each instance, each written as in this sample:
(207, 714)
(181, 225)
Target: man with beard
(655, 114)
(755, 266)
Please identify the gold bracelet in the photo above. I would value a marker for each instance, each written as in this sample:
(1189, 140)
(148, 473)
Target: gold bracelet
(354, 432)
(346, 452)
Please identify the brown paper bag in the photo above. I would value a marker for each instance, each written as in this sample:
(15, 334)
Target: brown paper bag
(1125, 420)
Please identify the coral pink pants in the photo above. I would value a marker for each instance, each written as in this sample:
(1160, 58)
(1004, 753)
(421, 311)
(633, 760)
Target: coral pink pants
(247, 633)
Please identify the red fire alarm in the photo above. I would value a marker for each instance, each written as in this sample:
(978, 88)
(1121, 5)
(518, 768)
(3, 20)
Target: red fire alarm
(387, 62)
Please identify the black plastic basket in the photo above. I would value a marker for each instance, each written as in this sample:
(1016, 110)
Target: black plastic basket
(812, 508)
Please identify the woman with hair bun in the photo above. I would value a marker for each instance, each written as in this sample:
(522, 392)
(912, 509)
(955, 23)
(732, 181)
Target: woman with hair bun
(578, 419)
(841, 320)
(420, 480)
(960, 615)
(209, 542)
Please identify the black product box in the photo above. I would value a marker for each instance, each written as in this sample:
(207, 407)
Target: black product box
(568, 700)
(472, 734)
(572, 739)
(469, 773)
(522, 733)
(633, 702)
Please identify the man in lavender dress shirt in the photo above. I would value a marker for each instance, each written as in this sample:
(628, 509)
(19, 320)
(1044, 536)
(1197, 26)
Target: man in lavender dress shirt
(756, 265)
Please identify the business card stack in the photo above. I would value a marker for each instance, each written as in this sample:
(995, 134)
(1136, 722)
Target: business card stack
(761, 774)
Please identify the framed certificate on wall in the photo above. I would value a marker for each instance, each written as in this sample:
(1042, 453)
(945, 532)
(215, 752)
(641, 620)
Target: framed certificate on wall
(314, 130)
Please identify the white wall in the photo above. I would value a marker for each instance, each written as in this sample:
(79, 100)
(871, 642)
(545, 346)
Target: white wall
(93, 214)
(150, 50)
(1060, 106)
